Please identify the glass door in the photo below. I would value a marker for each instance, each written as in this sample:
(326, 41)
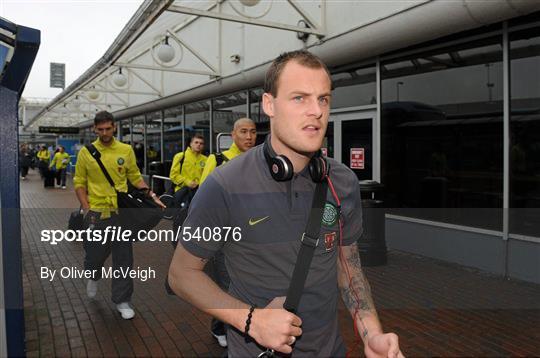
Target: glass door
(328, 142)
(354, 141)
(357, 147)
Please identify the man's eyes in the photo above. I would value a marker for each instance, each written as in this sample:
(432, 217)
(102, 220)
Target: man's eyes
(324, 100)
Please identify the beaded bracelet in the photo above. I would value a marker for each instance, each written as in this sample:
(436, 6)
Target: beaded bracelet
(248, 321)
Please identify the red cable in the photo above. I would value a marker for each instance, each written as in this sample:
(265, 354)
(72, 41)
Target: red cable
(358, 339)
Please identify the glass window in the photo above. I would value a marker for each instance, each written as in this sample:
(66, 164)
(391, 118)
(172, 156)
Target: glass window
(328, 141)
(354, 88)
(126, 131)
(138, 140)
(87, 135)
(226, 110)
(172, 130)
(442, 134)
(525, 132)
(262, 121)
(90, 135)
(153, 138)
(119, 134)
(198, 121)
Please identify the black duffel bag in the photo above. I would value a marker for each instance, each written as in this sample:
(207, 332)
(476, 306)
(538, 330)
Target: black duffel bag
(182, 199)
(137, 210)
(76, 220)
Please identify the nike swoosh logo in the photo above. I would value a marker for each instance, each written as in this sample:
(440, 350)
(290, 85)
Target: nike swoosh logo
(255, 222)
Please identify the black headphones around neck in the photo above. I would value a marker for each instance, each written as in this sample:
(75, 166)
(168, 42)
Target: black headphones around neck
(282, 169)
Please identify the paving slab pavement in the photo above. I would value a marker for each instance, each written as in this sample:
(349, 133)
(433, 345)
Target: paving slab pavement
(436, 308)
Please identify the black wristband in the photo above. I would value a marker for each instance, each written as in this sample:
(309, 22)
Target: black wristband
(248, 320)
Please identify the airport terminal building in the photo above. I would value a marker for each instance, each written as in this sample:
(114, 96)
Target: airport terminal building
(437, 100)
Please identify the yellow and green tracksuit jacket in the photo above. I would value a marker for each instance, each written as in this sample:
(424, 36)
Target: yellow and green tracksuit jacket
(190, 169)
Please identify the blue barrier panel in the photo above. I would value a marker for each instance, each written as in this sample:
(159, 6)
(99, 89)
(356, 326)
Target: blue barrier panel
(23, 43)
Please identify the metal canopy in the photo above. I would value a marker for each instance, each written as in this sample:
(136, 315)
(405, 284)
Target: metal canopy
(221, 46)
(135, 53)
(312, 29)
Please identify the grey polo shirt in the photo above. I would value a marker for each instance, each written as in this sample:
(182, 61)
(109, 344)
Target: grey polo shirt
(272, 217)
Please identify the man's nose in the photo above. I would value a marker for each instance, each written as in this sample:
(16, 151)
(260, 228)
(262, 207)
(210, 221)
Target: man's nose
(314, 108)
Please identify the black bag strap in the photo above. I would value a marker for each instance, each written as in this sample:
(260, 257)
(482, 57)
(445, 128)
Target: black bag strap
(180, 170)
(220, 158)
(310, 240)
(94, 152)
(182, 161)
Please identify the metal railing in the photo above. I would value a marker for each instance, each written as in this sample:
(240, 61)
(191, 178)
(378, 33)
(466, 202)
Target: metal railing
(159, 177)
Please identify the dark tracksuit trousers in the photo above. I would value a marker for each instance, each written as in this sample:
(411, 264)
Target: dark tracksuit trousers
(61, 176)
(122, 257)
(43, 167)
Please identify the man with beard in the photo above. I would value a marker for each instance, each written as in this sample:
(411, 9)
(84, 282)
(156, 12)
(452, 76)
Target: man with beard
(98, 201)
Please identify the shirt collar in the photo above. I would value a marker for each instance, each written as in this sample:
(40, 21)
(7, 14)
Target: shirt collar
(235, 150)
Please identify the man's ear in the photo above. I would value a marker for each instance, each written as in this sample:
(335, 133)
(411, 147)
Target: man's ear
(268, 104)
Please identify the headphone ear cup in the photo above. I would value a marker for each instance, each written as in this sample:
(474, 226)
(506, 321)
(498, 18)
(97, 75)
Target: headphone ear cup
(318, 169)
(281, 168)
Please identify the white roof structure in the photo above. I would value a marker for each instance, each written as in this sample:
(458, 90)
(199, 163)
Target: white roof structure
(175, 52)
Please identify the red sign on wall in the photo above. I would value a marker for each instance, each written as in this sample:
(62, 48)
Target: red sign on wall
(357, 158)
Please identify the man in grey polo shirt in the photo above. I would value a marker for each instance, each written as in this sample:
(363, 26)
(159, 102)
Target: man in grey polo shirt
(271, 217)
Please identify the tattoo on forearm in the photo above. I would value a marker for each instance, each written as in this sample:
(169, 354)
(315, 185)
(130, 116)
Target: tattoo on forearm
(355, 289)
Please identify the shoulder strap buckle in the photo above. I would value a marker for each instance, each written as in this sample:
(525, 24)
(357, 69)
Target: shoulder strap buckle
(309, 241)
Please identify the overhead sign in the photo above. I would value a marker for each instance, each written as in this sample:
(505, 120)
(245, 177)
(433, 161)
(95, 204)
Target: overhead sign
(59, 130)
(357, 158)
(58, 75)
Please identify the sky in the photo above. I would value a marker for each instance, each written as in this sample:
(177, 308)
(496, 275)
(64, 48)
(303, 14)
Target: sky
(74, 32)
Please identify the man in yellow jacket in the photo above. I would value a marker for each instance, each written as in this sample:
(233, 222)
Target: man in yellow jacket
(186, 171)
(60, 162)
(151, 154)
(98, 201)
(44, 157)
(187, 167)
(244, 136)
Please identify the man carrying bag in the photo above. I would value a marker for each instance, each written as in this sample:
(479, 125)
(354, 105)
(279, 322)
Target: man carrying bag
(137, 208)
(185, 174)
(99, 202)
